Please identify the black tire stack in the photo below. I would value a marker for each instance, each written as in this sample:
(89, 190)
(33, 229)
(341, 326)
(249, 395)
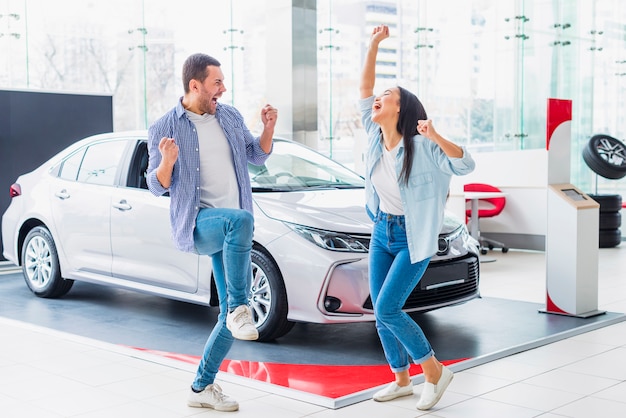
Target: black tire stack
(606, 156)
(610, 234)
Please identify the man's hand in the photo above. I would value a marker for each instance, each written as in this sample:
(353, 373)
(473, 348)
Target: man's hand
(168, 150)
(169, 155)
(269, 115)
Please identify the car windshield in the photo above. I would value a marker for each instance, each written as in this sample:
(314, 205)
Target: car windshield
(295, 167)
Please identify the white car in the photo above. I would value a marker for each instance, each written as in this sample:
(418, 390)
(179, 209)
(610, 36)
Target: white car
(86, 214)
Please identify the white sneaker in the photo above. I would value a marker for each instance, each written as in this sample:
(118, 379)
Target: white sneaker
(240, 324)
(212, 397)
(432, 393)
(393, 391)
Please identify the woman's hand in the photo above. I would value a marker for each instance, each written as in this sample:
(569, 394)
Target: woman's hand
(426, 129)
(379, 33)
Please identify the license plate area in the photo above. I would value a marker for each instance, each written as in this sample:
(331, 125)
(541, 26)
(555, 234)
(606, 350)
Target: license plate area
(442, 276)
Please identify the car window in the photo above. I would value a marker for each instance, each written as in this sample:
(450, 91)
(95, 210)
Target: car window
(69, 168)
(100, 163)
(292, 166)
(138, 167)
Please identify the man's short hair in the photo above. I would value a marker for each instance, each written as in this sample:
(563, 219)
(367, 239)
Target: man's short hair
(195, 68)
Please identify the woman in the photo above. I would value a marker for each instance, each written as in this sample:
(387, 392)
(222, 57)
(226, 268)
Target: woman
(408, 171)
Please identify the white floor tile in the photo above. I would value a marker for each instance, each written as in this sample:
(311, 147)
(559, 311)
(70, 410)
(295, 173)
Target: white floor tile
(533, 397)
(592, 407)
(579, 383)
(614, 393)
(482, 408)
(474, 384)
(507, 369)
(610, 365)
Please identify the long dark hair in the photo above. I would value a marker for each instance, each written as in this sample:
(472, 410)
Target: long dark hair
(411, 110)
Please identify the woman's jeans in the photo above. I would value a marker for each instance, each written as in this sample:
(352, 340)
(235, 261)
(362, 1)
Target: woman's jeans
(226, 236)
(392, 279)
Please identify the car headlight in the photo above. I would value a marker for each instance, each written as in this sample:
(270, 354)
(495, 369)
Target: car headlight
(332, 241)
(445, 242)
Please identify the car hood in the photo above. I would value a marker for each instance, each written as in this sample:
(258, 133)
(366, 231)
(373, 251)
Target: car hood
(332, 210)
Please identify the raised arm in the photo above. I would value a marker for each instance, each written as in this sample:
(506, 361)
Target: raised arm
(426, 129)
(368, 74)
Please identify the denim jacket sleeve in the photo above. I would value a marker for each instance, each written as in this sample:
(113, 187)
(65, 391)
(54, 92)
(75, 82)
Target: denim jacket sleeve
(452, 165)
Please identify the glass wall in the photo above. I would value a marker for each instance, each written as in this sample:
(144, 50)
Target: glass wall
(485, 71)
(483, 68)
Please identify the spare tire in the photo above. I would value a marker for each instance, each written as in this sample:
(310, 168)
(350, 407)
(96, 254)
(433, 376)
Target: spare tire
(608, 202)
(609, 234)
(606, 156)
(609, 238)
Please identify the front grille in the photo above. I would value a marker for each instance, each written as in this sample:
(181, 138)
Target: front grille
(424, 300)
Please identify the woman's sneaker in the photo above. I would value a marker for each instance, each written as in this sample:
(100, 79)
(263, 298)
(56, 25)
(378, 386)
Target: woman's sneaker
(432, 393)
(393, 391)
(212, 397)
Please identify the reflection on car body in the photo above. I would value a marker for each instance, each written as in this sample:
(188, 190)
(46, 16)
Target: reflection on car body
(86, 215)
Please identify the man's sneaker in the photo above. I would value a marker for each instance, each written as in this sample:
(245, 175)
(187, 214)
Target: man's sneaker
(393, 391)
(212, 397)
(432, 393)
(240, 324)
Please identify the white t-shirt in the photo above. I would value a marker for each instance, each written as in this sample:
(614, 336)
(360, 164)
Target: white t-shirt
(385, 181)
(218, 182)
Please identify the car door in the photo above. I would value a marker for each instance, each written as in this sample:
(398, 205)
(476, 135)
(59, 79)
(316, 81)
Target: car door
(81, 207)
(141, 242)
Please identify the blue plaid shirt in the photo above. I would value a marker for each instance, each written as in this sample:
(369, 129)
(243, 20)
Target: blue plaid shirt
(185, 187)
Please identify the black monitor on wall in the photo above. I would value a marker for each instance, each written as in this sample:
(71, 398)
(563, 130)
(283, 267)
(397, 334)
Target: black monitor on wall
(36, 125)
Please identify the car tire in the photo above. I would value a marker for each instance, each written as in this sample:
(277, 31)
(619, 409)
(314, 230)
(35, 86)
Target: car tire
(610, 221)
(606, 156)
(40, 265)
(608, 202)
(609, 238)
(268, 298)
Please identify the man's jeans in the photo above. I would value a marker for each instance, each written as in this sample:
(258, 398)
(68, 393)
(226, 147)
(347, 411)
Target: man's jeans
(392, 279)
(226, 236)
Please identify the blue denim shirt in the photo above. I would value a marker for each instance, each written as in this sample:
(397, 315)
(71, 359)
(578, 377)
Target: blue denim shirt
(185, 187)
(424, 197)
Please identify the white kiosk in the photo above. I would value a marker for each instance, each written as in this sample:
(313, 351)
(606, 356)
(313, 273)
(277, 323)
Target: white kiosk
(572, 230)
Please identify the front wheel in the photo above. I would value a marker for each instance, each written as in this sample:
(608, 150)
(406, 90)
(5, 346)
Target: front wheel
(268, 298)
(40, 265)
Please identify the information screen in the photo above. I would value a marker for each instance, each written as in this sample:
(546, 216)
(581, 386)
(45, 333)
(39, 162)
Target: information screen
(573, 194)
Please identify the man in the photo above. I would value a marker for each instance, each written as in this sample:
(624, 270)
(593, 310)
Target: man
(199, 153)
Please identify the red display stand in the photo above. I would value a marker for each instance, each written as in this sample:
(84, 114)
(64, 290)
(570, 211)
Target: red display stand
(572, 230)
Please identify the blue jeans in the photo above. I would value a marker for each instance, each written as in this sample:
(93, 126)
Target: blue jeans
(392, 279)
(226, 236)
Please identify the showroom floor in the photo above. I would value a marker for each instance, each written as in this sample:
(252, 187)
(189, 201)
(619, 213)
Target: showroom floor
(48, 373)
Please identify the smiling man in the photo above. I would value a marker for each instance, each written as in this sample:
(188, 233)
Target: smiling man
(199, 153)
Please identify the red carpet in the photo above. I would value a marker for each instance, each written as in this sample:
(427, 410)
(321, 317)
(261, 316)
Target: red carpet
(330, 381)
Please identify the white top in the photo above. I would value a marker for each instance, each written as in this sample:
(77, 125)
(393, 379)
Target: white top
(385, 181)
(218, 182)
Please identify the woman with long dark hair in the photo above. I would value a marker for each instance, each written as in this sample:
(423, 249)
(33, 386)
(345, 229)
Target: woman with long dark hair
(408, 171)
